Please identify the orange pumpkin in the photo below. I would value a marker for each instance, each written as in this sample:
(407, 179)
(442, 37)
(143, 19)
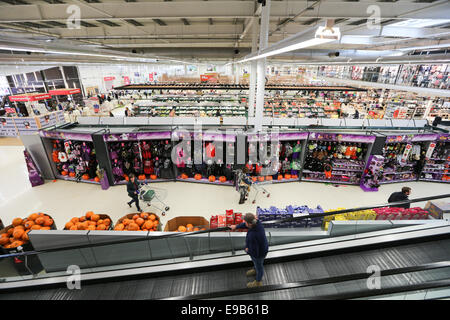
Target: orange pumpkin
(25, 236)
(75, 220)
(89, 214)
(133, 227)
(33, 216)
(222, 179)
(155, 223)
(139, 221)
(295, 176)
(4, 235)
(107, 222)
(126, 221)
(287, 176)
(148, 225)
(153, 177)
(74, 227)
(144, 215)
(254, 179)
(65, 173)
(182, 229)
(72, 174)
(101, 227)
(35, 227)
(196, 229)
(184, 176)
(16, 243)
(82, 219)
(135, 216)
(4, 241)
(85, 176)
(17, 221)
(95, 217)
(126, 177)
(18, 233)
(45, 228)
(39, 221)
(91, 227)
(269, 178)
(100, 221)
(189, 226)
(119, 227)
(97, 179)
(198, 176)
(261, 178)
(29, 224)
(10, 232)
(68, 225)
(152, 217)
(212, 178)
(48, 222)
(141, 177)
(280, 177)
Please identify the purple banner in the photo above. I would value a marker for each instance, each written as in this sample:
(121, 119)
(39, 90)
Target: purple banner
(425, 137)
(209, 136)
(154, 135)
(399, 138)
(443, 137)
(341, 137)
(66, 135)
(278, 136)
(120, 137)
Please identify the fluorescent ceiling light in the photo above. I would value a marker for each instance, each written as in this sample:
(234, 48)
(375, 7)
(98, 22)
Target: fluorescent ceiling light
(301, 45)
(419, 23)
(435, 46)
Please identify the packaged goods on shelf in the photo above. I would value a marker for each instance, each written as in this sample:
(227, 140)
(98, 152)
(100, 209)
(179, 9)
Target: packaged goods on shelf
(388, 213)
(274, 213)
(225, 220)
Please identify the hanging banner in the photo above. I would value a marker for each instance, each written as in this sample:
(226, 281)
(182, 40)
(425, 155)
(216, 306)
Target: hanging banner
(430, 150)
(406, 153)
(109, 78)
(64, 92)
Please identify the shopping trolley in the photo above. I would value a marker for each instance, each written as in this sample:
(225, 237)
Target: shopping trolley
(149, 194)
(244, 189)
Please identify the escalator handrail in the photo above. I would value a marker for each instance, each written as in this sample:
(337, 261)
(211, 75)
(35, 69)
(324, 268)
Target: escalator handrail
(313, 282)
(184, 234)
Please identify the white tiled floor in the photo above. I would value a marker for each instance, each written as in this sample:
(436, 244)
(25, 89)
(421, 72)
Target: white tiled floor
(64, 200)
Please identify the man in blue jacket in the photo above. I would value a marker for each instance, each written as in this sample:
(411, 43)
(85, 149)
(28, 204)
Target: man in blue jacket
(256, 246)
(133, 191)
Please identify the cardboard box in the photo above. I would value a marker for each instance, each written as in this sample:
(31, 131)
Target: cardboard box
(437, 209)
(173, 224)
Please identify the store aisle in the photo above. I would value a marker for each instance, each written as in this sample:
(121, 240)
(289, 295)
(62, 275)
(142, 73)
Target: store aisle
(64, 200)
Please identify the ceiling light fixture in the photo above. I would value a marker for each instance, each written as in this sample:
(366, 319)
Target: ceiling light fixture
(324, 34)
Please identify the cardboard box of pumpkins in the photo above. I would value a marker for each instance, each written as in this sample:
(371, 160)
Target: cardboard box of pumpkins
(16, 234)
(90, 221)
(186, 224)
(144, 221)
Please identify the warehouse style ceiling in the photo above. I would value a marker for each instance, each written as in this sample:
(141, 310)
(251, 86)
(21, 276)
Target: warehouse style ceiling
(138, 31)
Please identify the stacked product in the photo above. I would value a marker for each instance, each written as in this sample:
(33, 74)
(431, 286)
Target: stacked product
(404, 158)
(336, 158)
(138, 222)
(16, 234)
(274, 213)
(401, 213)
(75, 160)
(90, 221)
(437, 160)
(357, 215)
(226, 220)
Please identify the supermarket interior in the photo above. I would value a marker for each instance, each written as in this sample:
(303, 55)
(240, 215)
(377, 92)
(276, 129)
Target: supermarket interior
(183, 143)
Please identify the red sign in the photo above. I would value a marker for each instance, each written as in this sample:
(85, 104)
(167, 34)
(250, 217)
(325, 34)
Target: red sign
(64, 92)
(109, 78)
(207, 78)
(126, 80)
(30, 97)
(150, 77)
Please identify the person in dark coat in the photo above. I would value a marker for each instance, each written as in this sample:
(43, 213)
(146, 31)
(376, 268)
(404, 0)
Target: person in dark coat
(400, 196)
(256, 246)
(132, 189)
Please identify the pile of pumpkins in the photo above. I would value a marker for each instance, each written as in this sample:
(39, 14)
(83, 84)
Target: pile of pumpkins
(287, 176)
(138, 222)
(198, 176)
(189, 228)
(90, 221)
(17, 234)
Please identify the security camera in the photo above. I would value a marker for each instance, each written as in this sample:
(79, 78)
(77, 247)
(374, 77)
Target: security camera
(333, 54)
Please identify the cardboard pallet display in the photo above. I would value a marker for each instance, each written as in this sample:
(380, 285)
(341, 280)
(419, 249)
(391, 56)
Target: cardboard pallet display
(175, 223)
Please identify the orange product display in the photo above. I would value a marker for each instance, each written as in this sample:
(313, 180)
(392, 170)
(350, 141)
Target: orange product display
(212, 178)
(16, 234)
(222, 179)
(90, 221)
(198, 176)
(145, 221)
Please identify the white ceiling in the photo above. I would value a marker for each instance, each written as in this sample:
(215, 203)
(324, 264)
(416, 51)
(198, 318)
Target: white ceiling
(212, 29)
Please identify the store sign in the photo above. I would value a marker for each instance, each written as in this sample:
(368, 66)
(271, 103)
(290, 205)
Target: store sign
(430, 150)
(126, 80)
(208, 78)
(406, 153)
(29, 97)
(64, 92)
(109, 78)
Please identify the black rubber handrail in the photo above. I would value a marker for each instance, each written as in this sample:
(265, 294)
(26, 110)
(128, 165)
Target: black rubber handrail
(184, 234)
(313, 282)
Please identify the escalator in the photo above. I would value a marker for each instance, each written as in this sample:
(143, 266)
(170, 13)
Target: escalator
(412, 260)
(411, 267)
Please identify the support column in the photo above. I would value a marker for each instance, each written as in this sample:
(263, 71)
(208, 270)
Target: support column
(261, 67)
(253, 64)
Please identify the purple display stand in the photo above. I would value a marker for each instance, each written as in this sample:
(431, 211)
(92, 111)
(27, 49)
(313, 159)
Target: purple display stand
(33, 173)
(104, 182)
(373, 164)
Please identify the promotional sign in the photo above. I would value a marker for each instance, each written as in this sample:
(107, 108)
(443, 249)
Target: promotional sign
(208, 78)
(64, 92)
(7, 127)
(150, 76)
(430, 150)
(109, 78)
(30, 97)
(406, 153)
(126, 80)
